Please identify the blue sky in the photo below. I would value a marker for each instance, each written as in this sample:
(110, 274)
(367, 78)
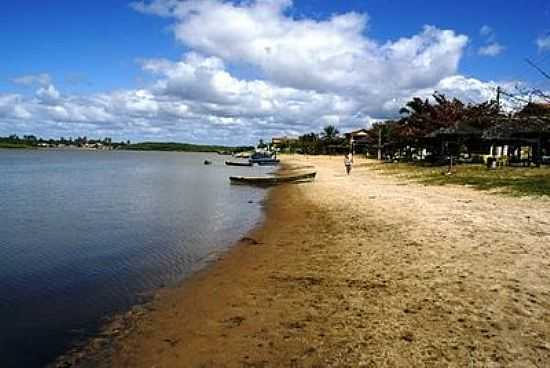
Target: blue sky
(97, 42)
(91, 48)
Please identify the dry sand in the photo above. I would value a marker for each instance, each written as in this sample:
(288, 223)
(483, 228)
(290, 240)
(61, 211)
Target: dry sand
(365, 270)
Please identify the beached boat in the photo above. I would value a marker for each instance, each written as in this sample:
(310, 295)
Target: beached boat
(263, 157)
(270, 162)
(242, 155)
(272, 180)
(234, 163)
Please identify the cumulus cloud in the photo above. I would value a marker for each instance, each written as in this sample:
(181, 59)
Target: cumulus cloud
(48, 95)
(492, 49)
(488, 33)
(11, 107)
(308, 73)
(331, 55)
(32, 79)
(543, 43)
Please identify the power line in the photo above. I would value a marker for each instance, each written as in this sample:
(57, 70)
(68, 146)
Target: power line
(513, 96)
(540, 70)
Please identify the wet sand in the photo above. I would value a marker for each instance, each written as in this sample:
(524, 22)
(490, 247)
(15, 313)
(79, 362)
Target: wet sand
(366, 270)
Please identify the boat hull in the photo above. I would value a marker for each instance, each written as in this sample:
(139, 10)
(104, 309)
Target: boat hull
(232, 163)
(268, 162)
(272, 180)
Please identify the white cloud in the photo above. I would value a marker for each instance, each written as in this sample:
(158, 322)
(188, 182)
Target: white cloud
(543, 43)
(308, 73)
(220, 108)
(331, 55)
(48, 95)
(492, 49)
(468, 90)
(31, 79)
(486, 30)
(11, 107)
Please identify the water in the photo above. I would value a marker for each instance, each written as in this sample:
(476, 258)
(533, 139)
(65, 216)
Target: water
(82, 234)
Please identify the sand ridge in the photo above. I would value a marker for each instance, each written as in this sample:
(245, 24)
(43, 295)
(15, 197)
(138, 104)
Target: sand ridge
(365, 270)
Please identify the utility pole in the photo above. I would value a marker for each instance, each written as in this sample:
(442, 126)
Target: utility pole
(379, 144)
(498, 98)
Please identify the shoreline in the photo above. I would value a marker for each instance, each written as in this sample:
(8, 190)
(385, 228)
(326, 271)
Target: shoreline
(205, 296)
(96, 348)
(364, 270)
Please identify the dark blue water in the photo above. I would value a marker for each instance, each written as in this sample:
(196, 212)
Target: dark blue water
(83, 234)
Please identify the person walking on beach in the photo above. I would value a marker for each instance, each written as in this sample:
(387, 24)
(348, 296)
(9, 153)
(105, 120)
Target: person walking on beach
(348, 160)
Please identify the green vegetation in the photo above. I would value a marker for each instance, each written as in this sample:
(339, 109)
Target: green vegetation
(507, 180)
(7, 145)
(328, 141)
(182, 147)
(436, 129)
(31, 141)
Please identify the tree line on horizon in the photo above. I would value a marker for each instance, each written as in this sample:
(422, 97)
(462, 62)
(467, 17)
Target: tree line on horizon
(185, 147)
(33, 141)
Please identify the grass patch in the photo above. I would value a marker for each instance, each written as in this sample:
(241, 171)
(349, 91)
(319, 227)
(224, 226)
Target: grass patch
(510, 180)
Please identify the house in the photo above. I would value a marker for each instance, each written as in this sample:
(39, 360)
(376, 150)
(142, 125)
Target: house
(357, 136)
(358, 139)
(279, 143)
(521, 140)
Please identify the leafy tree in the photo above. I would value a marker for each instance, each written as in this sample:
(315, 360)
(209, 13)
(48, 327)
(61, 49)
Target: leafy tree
(309, 143)
(329, 133)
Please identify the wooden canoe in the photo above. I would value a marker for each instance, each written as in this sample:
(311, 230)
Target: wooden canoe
(233, 163)
(268, 162)
(272, 180)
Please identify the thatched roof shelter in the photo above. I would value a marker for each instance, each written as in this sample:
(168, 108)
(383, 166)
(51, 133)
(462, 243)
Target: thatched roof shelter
(459, 130)
(535, 109)
(519, 128)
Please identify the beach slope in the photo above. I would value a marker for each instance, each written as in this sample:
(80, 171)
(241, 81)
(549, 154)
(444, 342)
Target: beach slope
(365, 270)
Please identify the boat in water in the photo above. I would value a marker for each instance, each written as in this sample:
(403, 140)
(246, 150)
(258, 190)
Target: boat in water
(235, 163)
(270, 162)
(272, 180)
(207, 162)
(263, 157)
(242, 155)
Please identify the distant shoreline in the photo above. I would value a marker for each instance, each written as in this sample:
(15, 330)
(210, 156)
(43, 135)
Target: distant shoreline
(107, 144)
(160, 147)
(184, 147)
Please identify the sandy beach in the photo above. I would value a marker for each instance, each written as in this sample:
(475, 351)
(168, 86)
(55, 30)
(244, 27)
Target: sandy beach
(366, 270)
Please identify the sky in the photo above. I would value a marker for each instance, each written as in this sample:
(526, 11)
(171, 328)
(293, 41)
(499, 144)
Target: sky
(231, 72)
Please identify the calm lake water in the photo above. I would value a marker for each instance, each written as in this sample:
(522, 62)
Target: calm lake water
(84, 234)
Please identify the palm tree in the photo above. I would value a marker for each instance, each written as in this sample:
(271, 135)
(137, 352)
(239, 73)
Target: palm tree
(330, 133)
